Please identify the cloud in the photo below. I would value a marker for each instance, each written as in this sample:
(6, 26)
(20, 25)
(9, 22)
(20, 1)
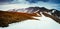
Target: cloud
(55, 1)
(13, 6)
(24, 4)
(35, 1)
(30, 1)
(5, 0)
(50, 1)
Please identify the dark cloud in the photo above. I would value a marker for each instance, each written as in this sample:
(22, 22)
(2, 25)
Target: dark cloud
(55, 1)
(34, 1)
(44, 0)
(6, 0)
(51, 1)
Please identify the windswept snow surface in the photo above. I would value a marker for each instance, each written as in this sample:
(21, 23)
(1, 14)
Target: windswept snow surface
(43, 23)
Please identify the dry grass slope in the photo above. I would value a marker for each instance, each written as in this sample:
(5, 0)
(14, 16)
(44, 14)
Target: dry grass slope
(7, 18)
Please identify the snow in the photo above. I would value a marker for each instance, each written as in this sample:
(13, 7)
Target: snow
(43, 23)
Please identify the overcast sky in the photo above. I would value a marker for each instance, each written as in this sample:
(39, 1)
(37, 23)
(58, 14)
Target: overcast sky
(10, 4)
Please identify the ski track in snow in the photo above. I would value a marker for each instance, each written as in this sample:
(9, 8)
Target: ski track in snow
(43, 23)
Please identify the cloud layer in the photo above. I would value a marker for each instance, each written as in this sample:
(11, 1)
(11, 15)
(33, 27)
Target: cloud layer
(33, 1)
(13, 4)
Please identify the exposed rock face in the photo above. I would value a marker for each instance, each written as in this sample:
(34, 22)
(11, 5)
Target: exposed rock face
(54, 14)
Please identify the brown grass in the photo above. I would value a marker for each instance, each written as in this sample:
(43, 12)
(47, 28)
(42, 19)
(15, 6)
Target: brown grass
(7, 18)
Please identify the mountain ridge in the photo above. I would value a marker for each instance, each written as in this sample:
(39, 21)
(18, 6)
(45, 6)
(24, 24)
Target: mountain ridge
(15, 16)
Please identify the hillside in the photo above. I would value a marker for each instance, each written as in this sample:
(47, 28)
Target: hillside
(8, 17)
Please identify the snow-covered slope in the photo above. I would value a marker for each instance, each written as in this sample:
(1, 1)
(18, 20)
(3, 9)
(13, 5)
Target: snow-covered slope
(43, 23)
